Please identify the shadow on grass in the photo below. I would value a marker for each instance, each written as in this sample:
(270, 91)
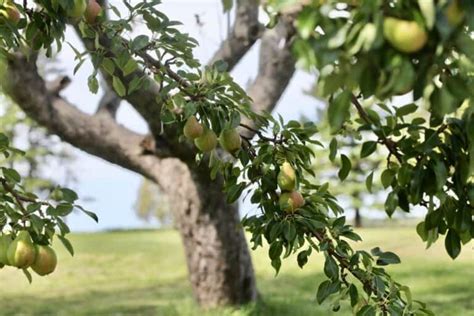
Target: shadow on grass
(284, 295)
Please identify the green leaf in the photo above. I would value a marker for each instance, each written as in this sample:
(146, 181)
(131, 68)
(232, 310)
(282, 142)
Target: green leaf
(338, 110)
(119, 87)
(333, 149)
(325, 289)
(452, 244)
(330, 268)
(227, 5)
(391, 203)
(93, 84)
(67, 244)
(387, 177)
(368, 148)
(28, 275)
(369, 181)
(367, 310)
(140, 42)
(345, 168)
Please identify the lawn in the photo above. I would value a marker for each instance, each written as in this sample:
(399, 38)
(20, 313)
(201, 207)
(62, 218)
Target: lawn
(144, 273)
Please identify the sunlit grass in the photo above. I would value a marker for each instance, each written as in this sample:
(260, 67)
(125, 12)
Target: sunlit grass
(144, 273)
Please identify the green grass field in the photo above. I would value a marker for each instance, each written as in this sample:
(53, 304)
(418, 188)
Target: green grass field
(144, 273)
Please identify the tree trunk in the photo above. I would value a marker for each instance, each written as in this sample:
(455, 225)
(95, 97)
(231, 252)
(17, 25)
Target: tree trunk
(357, 218)
(218, 259)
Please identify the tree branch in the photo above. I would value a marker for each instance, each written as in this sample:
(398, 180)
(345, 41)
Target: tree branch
(98, 135)
(245, 32)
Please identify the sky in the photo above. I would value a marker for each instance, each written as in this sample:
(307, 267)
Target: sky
(111, 191)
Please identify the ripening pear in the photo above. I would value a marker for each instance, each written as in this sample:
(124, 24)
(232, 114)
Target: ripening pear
(454, 13)
(10, 12)
(93, 10)
(230, 140)
(5, 241)
(21, 252)
(46, 260)
(286, 177)
(207, 141)
(192, 129)
(406, 36)
(77, 10)
(291, 201)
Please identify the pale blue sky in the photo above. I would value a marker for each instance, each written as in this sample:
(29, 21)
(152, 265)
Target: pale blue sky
(113, 189)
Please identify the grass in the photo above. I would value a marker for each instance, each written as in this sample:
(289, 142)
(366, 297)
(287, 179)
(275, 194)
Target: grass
(144, 273)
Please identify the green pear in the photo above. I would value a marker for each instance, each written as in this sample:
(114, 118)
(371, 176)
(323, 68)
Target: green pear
(230, 140)
(286, 177)
(21, 252)
(454, 13)
(192, 129)
(5, 241)
(77, 10)
(291, 201)
(406, 36)
(46, 260)
(207, 141)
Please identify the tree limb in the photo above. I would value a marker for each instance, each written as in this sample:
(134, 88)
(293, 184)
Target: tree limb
(245, 32)
(98, 135)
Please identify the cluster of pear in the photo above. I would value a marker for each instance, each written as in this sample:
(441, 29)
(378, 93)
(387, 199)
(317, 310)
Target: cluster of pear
(90, 10)
(10, 12)
(22, 253)
(206, 140)
(290, 200)
(409, 36)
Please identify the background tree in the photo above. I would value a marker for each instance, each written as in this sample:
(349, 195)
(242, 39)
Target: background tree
(362, 52)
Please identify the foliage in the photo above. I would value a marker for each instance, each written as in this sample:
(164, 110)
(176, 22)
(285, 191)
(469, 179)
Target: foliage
(25, 216)
(362, 61)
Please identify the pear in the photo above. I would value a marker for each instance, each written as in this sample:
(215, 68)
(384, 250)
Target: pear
(92, 12)
(192, 129)
(5, 241)
(286, 177)
(406, 36)
(77, 9)
(207, 141)
(11, 13)
(230, 140)
(46, 260)
(454, 13)
(21, 252)
(291, 201)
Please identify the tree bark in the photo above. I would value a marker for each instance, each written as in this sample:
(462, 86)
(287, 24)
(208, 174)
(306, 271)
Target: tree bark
(218, 259)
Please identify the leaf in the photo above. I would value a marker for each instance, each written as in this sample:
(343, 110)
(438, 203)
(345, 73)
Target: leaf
(338, 110)
(140, 42)
(368, 148)
(28, 275)
(367, 310)
(387, 177)
(67, 244)
(452, 244)
(387, 258)
(345, 168)
(330, 268)
(391, 203)
(333, 149)
(88, 213)
(369, 181)
(325, 289)
(227, 5)
(93, 84)
(119, 87)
